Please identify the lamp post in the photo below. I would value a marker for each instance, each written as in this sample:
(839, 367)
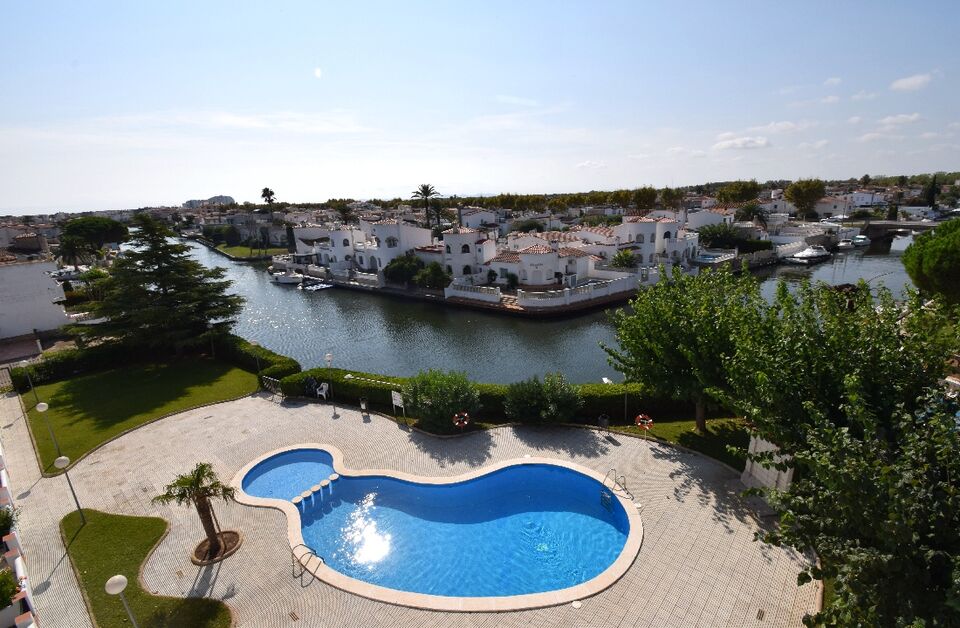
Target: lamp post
(115, 586)
(328, 358)
(607, 380)
(62, 463)
(42, 408)
(26, 369)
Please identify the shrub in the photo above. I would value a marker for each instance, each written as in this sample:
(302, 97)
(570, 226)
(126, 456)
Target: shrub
(8, 587)
(432, 276)
(403, 269)
(623, 259)
(8, 519)
(74, 297)
(435, 396)
(524, 400)
(347, 386)
(608, 399)
(512, 281)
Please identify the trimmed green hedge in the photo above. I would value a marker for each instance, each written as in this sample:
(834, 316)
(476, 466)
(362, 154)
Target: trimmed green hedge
(71, 362)
(598, 398)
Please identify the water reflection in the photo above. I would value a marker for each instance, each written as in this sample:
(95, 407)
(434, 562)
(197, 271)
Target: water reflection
(363, 543)
(393, 336)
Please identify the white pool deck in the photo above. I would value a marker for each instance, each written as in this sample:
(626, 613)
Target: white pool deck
(698, 564)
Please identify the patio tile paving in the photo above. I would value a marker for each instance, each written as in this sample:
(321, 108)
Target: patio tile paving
(698, 566)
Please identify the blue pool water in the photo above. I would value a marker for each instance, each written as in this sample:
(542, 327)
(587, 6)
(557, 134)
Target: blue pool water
(521, 529)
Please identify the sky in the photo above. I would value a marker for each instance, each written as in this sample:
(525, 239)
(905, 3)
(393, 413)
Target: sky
(111, 105)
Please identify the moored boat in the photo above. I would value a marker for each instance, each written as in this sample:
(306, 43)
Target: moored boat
(810, 255)
(286, 278)
(861, 240)
(845, 245)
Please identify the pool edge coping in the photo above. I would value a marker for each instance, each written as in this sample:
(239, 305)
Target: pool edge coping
(527, 601)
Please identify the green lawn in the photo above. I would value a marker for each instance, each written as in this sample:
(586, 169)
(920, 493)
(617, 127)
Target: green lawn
(117, 544)
(244, 251)
(720, 433)
(88, 410)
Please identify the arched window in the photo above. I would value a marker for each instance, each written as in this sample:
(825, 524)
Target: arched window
(360, 259)
(651, 258)
(666, 235)
(467, 270)
(653, 238)
(639, 238)
(449, 270)
(346, 242)
(392, 243)
(465, 248)
(448, 248)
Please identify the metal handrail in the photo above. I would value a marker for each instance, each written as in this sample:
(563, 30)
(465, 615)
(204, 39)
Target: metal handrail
(619, 482)
(298, 560)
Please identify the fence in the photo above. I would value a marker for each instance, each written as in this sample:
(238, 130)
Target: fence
(567, 296)
(477, 293)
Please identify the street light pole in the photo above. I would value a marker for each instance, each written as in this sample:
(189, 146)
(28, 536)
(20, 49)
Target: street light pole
(328, 358)
(26, 369)
(62, 463)
(115, 586)
(42, 409)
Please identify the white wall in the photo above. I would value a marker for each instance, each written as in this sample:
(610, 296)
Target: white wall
(27, 293)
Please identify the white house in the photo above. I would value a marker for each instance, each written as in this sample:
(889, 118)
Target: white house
(27, 295)
(831, 206)
(865, 198)
(478, 217)
(542, 266)
(465, 251)
(387, 240)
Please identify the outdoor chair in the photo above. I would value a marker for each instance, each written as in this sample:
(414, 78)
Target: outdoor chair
(322, 390)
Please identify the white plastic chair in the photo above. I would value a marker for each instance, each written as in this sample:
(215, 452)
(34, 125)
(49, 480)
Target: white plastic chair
(322, 390)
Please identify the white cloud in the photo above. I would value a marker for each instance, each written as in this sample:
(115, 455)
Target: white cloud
(929, 135)
(728, 135)
(813, 145)
(829, 100)
(900, 118)
(833, 80)
(911, 83)
(863, 95)
(954, 125)
(874, 136)
(683, 151)
(742, 143)
(516, 100)
(854, 119)
(318, 72)
(591, 165)
(784, 126)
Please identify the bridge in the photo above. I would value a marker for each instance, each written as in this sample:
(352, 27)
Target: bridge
(878, 229)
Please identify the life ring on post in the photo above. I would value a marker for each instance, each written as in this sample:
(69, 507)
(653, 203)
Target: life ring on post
(644, 422)
(461, 419)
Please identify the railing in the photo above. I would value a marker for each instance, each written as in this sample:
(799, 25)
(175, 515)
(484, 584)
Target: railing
(478, 293)
(618, 482)
(303, 564)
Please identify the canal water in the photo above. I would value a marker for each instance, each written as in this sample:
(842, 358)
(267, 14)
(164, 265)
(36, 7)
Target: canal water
(386, 335)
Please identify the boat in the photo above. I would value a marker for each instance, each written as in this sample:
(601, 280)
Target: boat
(845, 245)
(810, 255)
(286, 278)
(861, 240)
(316, 286)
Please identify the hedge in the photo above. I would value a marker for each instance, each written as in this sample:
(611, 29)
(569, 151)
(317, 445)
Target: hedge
(598, 398)
(71, 362)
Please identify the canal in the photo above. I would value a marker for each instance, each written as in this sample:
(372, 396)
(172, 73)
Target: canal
(380, 334)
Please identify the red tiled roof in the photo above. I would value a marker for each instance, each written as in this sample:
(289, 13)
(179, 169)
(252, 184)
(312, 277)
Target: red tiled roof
(461, 230)
(571, 252)
(558, 236)
(604, 231)
(507, 256)
(537, 249)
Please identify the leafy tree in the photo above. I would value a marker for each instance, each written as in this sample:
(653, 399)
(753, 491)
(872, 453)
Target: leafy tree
(268, 196)
(512, 281)
(199, 487)
(432, 276)
(837, 379)
(933, 261)
(671, 198)
(160, 298)
(527, 225)
(72, 251)
(434, 396)
(426, 192)
(739, 192)
(727, 236)
(674, 340)
(752, 213)
(620, 197)
(524, 400)
(96, 282)
(865, 180)
(805, 194)
(623, 259)
(403, 269)
(645, 198)
(91, 233)
(930, 192)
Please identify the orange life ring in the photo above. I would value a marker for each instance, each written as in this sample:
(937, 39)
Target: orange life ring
(461, 419)
(644, 422)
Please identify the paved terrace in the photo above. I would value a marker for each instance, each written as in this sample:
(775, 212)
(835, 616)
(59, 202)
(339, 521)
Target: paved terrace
(698, 566)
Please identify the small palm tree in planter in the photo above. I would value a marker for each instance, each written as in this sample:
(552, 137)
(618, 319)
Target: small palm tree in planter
(200, 487)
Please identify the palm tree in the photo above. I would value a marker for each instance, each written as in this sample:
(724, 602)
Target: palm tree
(753, 213)
(268, 196)
(199, 487)
(426, 192)
(71, 251)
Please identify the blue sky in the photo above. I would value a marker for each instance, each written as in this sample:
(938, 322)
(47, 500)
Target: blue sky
(126, 104)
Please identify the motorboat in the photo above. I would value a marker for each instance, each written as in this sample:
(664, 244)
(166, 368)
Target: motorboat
(810, 255)
(286, 278)
(861, 240)
(316, 286)
(845, 245)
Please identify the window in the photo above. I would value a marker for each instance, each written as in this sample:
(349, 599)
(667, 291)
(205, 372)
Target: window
(360, 259)
(503, 272)
(639, 238)
(346, 242)
(523, 274)
(666, 235)
(653, 238)
(651, 258)
(467, 270)
(465, 248)
(448, 248)
(449, 270)
(391, 243)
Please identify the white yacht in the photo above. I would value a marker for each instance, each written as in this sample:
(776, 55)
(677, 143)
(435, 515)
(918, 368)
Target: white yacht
(845, 245)
(288, 277)
(810, 255)
(861, 240)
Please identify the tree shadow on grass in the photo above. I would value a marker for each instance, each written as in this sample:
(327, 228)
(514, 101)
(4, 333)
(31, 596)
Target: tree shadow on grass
(561, 440)
(472, 448)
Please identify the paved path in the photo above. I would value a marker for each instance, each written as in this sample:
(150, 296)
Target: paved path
(698, 565)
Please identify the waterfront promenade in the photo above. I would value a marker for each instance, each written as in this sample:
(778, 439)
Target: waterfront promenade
(698, 565)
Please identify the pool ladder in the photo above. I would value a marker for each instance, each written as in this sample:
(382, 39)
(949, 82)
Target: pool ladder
(298, 561)
(619, 482)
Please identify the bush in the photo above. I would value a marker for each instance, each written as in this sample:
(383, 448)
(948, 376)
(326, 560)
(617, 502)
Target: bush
(8, 587)
(554, 400)
(512, 281)
(376, 388)
(74, 297)
(8, 519)
(752, 246)
(432, 276)
(608, 399)
(403, 269)
(435, 396)
(524, 400)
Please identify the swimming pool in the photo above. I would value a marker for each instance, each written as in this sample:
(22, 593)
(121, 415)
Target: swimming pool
(519, 534)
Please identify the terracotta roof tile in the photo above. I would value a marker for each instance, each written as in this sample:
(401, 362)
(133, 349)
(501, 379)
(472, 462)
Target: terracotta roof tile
(571, 252)
(507, 256)
(537, 249)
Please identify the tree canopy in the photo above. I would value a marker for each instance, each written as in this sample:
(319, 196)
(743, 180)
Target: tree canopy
(403, 269)
(92, 233)
(805, 194)
(674, 338)
(268, 196)
(933, 261)
(432, 276)
(160, 298)
(671, 197)
(739, 192)
(645, 197)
